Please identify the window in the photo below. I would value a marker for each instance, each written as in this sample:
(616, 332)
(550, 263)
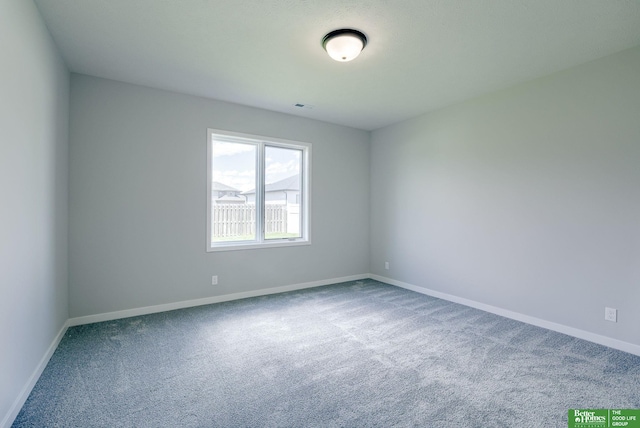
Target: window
(257, 191)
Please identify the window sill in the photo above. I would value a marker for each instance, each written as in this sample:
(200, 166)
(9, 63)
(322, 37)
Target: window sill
(255, 246)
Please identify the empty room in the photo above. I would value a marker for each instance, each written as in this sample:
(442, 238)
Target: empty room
(319, 214)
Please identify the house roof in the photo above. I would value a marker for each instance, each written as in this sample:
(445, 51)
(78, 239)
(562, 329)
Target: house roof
(229, 198)
(221, 187)
(290, 183)
(422, 55)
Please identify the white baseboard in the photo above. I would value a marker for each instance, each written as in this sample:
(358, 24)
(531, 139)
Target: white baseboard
(560, 328)
(109, 316)
(26, 390)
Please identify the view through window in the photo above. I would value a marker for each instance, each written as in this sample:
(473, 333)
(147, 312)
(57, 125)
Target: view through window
(258, 191)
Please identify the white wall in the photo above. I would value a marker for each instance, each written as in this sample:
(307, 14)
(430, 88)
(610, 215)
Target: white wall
(34, 91)
(526, 199)
(138, 200)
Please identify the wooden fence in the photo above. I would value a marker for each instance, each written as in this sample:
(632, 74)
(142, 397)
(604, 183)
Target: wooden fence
(275, 218)
(229, 220)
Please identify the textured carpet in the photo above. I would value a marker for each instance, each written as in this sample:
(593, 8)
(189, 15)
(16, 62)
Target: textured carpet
(347, 355)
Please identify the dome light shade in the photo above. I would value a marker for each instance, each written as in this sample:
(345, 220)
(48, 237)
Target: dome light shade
(344, 45)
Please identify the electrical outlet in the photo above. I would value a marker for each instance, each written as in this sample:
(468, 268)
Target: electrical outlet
(611, 314)
(214, 280)
(386, 265)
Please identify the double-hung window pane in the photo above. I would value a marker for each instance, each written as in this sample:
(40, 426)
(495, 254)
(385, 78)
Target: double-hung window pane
(234, 172)
(282, 195)
(258, 192)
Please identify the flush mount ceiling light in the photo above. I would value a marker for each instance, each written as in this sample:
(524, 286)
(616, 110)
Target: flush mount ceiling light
(345, 44)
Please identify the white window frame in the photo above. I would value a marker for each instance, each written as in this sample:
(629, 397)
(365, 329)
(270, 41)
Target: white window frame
(305, 192)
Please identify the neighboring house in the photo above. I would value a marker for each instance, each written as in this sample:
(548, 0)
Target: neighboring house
(285, 191)
(223, 194)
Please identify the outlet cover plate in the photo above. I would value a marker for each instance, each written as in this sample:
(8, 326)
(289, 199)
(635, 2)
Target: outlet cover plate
(611, 314)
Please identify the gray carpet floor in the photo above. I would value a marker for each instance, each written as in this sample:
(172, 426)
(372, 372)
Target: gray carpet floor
(358, 354)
